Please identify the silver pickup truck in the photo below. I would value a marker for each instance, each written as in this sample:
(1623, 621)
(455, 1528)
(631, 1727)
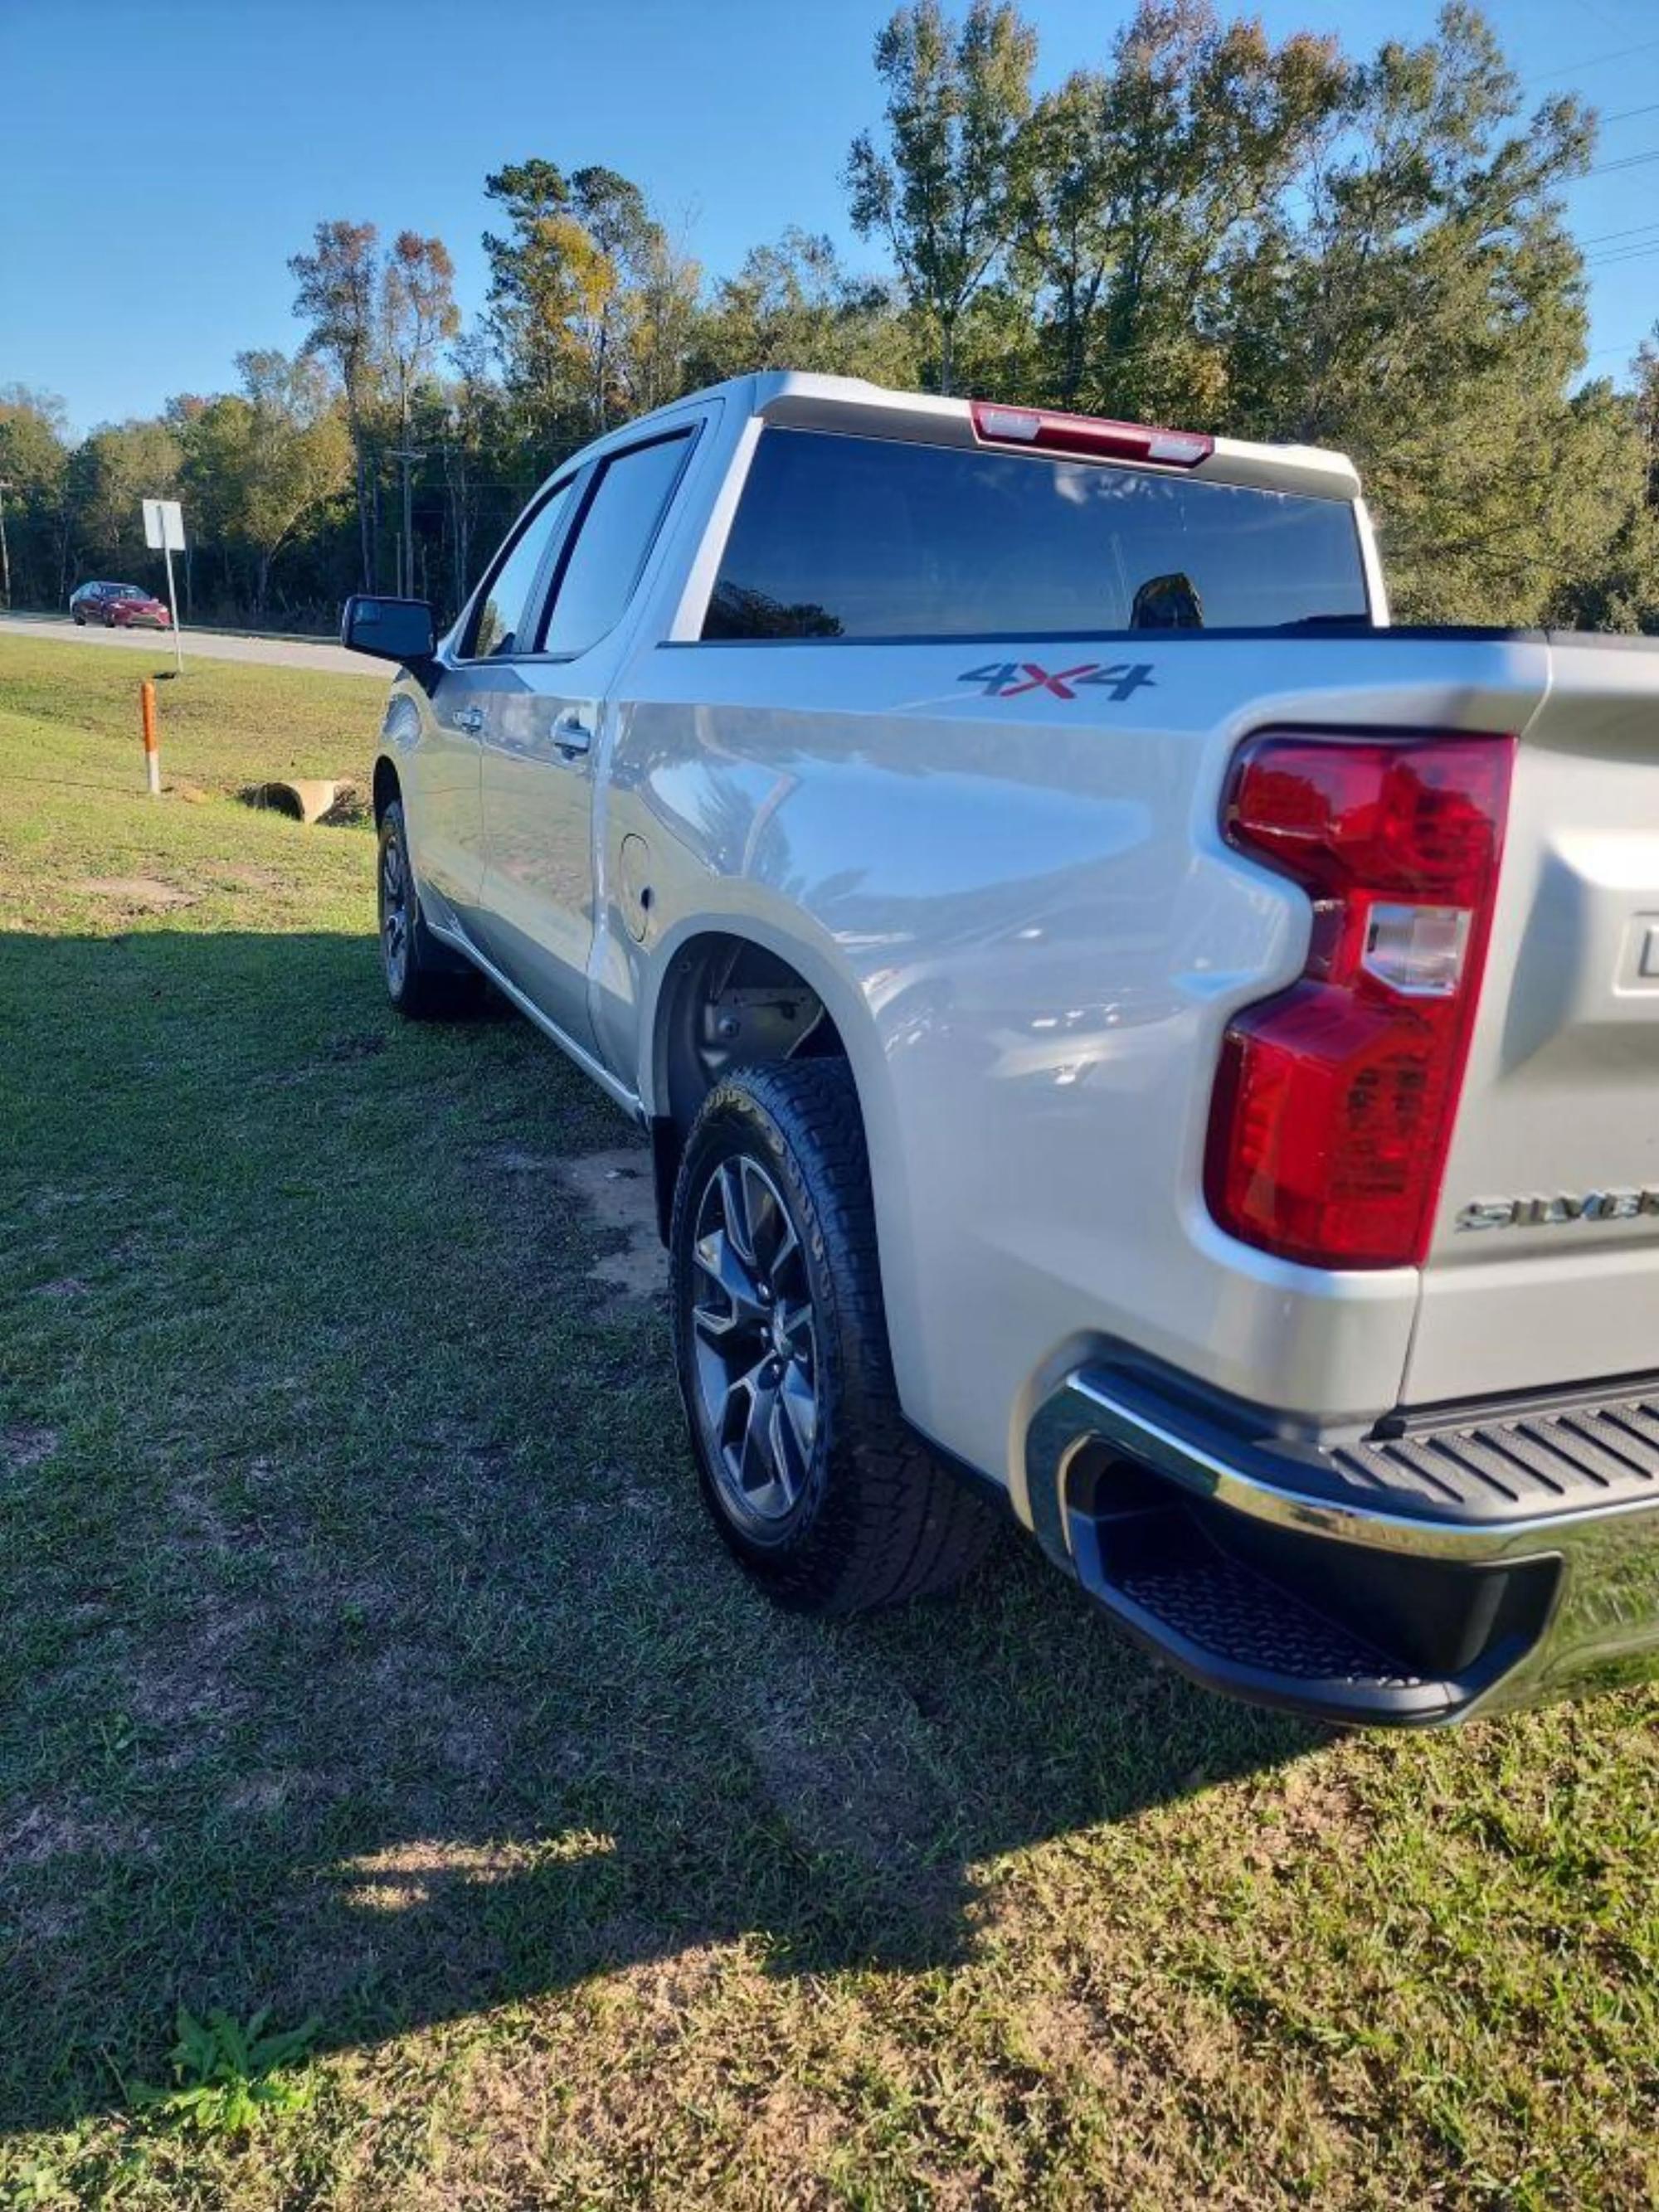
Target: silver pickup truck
(1126, 1034)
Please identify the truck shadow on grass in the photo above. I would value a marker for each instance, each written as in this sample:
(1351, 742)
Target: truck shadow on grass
(365, 1649)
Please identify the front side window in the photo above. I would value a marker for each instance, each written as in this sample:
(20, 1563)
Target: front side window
(616, 536)
(497, 621)
(841, 536)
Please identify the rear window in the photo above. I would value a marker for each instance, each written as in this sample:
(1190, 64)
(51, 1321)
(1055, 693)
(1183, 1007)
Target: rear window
(867, 537)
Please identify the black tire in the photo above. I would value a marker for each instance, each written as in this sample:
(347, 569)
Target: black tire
(869, 1516)
(424, 981)
(80, 622)
(109, 622)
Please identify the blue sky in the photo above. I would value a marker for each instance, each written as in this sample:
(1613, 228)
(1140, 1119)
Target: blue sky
(159, 162)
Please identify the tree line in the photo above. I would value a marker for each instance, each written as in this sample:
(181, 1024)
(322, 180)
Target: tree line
(1209, 229)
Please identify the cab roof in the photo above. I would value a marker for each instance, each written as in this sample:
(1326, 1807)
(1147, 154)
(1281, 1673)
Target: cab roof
(803, 399)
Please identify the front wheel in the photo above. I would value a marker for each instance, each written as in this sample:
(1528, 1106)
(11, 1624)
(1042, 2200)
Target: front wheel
(814, 1479)
(422, 980)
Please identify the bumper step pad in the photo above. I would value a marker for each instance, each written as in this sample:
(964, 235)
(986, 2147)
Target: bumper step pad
(1226, 1609)
(1590, 1452)
(1235, 1627)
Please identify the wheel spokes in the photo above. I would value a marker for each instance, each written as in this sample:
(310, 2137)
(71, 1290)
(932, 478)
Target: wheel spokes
(724, 1264)
(772, 1237)
(757, 1467)
(394, 909)
(795, 1328)
(754, 1348)
(797, 1404)
(734, 1208)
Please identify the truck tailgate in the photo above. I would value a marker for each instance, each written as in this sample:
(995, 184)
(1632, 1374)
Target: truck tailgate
(1544, 1268)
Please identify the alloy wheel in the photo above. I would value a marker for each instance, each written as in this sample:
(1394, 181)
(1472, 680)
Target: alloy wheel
(755, 1342)
(394, 912)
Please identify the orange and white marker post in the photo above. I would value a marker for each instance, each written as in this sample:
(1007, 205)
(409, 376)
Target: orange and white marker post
(151, 757)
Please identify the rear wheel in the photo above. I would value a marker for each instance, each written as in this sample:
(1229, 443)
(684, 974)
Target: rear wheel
(423, 981)
(814, 1479)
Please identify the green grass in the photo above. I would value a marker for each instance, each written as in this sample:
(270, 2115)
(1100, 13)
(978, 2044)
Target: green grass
(364, 1660)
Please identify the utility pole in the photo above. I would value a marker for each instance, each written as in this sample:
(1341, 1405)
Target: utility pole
(5, 557)
(404, 458)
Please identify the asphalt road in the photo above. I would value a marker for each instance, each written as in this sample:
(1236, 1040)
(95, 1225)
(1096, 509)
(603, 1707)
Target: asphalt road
(209, 645)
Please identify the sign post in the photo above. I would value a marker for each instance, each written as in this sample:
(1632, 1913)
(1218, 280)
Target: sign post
(164, 532)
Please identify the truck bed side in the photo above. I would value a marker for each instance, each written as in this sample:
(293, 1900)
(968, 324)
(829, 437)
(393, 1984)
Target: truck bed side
(1021, 915)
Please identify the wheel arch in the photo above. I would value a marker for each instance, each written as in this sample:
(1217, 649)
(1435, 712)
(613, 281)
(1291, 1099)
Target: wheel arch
(386, 787)
(696, 973)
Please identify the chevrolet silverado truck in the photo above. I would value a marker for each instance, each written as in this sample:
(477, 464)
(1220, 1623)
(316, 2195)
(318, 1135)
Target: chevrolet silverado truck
(1124, 1033)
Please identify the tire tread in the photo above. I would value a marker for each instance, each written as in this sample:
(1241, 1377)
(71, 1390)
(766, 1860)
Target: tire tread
(903, 1525)
(437, 985)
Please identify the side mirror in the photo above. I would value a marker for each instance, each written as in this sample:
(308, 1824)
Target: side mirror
(390, 629)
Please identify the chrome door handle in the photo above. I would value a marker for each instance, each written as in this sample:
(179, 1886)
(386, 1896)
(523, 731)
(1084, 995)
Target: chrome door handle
(571, 734)
(470, 719)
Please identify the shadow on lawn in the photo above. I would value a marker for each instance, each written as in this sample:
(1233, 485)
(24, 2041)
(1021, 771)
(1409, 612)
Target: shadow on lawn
(365, 1649)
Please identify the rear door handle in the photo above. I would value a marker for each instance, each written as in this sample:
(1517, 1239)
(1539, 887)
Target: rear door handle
(470, 719)
(571, 734)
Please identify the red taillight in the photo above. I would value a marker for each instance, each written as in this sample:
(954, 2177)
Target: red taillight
(1089, 434)
(1335, 1101)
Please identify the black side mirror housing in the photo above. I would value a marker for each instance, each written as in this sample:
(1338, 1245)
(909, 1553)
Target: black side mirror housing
(390, 629)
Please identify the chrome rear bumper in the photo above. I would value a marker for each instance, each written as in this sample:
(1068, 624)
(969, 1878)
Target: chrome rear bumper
(1438, 1567)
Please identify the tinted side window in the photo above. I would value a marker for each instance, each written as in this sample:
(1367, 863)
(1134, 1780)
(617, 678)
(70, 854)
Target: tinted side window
(615, 534)
(846, 537)
(498, 618)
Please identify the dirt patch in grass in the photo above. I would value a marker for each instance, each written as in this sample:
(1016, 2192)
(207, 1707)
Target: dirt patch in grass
(617, 1190)
(45, 1833)
(139, 894)
(366, 1044)
(23, 1445)
(186, 1692)
(865, 1795)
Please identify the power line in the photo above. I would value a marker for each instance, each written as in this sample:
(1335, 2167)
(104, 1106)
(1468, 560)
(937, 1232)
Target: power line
(1624, 346)
(1574, 68)
(1602, 237)
(1590, 8)
(1627, 161)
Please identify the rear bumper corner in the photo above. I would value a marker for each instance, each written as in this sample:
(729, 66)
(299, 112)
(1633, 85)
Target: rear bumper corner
(1437, 1566)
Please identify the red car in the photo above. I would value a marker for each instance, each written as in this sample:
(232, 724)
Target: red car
(119, 606)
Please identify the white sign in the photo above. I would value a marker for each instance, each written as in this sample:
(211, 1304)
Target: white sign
(164, 532)
(164, 525)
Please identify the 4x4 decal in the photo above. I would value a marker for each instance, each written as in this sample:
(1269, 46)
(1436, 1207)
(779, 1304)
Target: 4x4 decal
(1007, 680)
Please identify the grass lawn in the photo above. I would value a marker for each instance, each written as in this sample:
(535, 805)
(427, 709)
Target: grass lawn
(365, 1659)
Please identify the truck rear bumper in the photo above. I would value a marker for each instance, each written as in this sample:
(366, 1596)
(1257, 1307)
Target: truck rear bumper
(1443, 1564)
